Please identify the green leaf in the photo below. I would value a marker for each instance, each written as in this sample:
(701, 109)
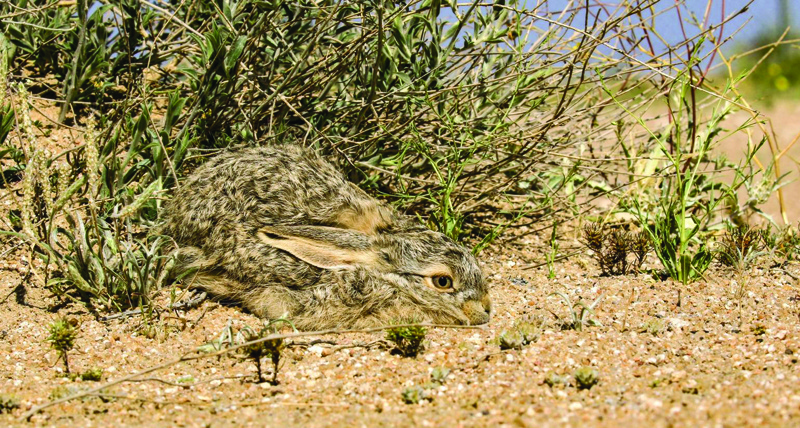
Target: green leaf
(233, 55)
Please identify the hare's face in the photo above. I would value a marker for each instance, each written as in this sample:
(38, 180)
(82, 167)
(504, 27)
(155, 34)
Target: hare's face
(413, 275)
(441, 275)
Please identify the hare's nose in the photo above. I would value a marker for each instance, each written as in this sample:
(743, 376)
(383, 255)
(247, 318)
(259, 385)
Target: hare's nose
(476, 312)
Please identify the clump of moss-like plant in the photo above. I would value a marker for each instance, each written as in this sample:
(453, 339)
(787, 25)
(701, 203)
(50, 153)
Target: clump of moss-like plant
(93, 374)
(521, 334)
(414, 395)
(586, 377)
(63, 333)
(553, 379)
(439, 375)
(8, 403)
(408, 340)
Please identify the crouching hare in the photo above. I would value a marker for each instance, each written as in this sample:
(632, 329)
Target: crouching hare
(282, 232)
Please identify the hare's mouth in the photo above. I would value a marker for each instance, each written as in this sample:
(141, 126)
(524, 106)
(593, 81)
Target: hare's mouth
(478, 312)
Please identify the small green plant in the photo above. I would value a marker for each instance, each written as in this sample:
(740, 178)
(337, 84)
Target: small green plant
(579, 313)
(60, 392)
(510, 340)
(685, 200)
(224, 340)
(675, 239)
(92, 375)
(653, 326)
(439, 375)
(8, 403)
(408, 341)
(617, 252)
(414, 395)
(758, 331)
(740, 246)
(553, 379)
(63, 333)
(271, 348)
(586, 377)
(186, 379)
(693, 390)
(521, 334)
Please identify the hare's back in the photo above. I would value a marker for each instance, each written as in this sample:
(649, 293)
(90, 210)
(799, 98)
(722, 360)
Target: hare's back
(276, 185)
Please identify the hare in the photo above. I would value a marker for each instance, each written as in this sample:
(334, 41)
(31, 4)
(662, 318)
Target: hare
(280, 231)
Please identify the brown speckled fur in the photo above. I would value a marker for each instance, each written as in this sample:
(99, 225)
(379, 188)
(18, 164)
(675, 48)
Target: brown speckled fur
(281, 231)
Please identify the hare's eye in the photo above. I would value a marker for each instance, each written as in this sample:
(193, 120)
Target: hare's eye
(443, 282)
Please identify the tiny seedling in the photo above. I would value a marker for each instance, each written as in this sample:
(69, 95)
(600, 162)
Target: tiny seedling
(8, 403)
(510, 340)
(522, 334)
(579, 313)
(690, 389)
(186, 379)
(414, 394)
(586, 377)
(617, 252)
(224, 340)
(553, 379)
(63, 333)
(653, 326)
(740, 246)
(271, 348)
(408, 341)
(92, 375)
(759, 331)
(60, 392)
(439, 375)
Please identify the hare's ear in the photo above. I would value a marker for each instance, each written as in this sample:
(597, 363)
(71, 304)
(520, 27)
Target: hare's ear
(323, 247)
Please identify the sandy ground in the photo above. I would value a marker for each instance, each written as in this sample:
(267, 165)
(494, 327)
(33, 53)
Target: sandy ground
(713, 360)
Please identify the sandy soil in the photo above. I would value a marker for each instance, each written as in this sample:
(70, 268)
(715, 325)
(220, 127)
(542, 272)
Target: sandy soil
(713, 360)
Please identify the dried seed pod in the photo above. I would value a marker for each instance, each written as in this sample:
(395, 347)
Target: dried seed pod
(3, 67)
(35, 191)
(140, 200)
(28, 191)
(24, 113)
(62, 178)
(92, 157)
(65, 195)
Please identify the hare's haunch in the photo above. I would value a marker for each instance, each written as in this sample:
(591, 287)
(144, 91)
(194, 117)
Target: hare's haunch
(282, 232)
